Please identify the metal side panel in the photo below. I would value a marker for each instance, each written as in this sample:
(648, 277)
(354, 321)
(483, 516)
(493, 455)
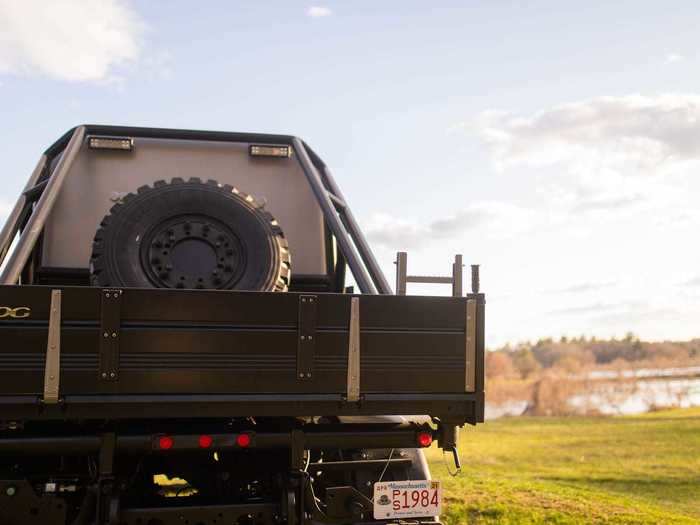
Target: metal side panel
(213, 342)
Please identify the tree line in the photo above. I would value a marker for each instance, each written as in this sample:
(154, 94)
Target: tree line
(574, 355)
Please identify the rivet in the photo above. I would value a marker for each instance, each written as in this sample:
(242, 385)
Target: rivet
(311, 337)
(107, 295)
(112, 374)
(303, 338)
(114, 334)
(104, 374)
(301, 375)
(52, 377)
(11, 491)
(105, 334)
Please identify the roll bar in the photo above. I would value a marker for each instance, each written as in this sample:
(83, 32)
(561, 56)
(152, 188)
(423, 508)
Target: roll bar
(34, 205)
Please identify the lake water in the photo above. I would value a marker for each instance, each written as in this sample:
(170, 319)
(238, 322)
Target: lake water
(620, 397)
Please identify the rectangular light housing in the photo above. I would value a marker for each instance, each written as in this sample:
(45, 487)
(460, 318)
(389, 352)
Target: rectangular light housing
(116, 143)
(270, 150)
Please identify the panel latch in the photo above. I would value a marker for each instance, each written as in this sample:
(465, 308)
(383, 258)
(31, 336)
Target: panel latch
(110, 324)
(306, 334)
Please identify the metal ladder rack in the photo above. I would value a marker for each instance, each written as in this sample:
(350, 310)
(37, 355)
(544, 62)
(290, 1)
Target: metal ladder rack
(455, 279)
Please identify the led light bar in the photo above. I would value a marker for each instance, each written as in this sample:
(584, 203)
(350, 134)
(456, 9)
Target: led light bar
(118, 143)
(270, 150)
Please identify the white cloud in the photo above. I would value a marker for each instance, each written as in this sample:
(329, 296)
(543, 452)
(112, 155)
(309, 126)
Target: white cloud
(646, 130)
(499, 219)
(317, 11)
(672, 58)
(68, 39)
(605, 152)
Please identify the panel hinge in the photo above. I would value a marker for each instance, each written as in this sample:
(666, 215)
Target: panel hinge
(306, 334)
(109, 334)
(52, 371)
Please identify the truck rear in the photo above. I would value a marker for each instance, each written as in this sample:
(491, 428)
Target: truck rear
(178, 343)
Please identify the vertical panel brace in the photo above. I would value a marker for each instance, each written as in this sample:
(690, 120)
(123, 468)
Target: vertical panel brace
(353, 393)
(306, 333)
(110, 334)
(52, 371)
(470, 355)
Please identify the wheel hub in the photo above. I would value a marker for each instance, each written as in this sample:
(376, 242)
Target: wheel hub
(193, 252)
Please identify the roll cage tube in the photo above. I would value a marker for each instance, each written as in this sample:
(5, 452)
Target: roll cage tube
(34, 205)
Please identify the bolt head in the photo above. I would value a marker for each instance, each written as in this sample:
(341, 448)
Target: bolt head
(11, 490)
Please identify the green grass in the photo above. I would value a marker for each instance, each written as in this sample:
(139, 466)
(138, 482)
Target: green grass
(642, 469)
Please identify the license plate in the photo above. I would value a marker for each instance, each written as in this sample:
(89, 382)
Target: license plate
(407, 499)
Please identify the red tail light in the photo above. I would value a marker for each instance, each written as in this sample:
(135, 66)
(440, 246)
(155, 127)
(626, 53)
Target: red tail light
(205, 441)
(424, 439)
(243, 440)
(165, 442)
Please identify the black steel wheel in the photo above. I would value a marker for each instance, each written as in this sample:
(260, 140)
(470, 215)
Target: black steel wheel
(190, 235)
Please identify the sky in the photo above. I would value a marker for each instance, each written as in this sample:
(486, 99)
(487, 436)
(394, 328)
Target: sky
(556, 143)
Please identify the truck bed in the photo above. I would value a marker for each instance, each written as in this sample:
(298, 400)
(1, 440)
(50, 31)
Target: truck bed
(143, 353)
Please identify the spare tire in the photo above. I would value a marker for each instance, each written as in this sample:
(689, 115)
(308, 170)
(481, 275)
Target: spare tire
(190, 235)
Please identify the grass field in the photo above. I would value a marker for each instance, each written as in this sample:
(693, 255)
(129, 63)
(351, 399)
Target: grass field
(642, 469)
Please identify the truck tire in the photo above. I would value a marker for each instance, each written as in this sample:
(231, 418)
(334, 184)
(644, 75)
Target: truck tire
(190, 235)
